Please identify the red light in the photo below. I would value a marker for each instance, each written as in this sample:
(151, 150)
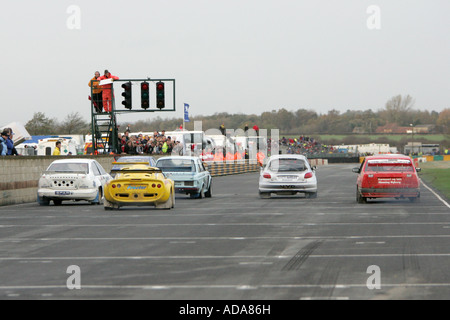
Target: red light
(113, 186)
(144, 86)
(153, 185)
(159, 186)
(267, 176)
(160, 86)
(308, 175)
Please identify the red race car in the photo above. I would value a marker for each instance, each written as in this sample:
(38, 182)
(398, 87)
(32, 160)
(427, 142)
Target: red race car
(387, 176)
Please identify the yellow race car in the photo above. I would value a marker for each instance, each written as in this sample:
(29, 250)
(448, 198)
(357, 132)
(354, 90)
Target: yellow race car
(138, 184)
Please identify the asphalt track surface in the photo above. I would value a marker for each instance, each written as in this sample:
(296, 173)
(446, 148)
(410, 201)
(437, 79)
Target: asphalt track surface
(232, 246)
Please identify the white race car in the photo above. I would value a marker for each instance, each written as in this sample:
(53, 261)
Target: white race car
(72, 179)
(287, 175)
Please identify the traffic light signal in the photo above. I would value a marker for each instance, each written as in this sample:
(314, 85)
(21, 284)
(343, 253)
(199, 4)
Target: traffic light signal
(145, 100)
(160, 104)
(127, 95)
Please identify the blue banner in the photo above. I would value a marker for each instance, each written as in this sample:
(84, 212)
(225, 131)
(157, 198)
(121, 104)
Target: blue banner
(186, 112)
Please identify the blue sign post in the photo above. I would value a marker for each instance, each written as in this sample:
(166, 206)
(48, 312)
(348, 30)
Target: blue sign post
(186, 115)
(186, 112)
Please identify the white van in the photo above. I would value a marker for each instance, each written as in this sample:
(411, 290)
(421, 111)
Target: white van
(46, 147)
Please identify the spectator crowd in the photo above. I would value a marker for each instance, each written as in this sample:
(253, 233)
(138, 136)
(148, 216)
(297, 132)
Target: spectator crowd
(158, 143)
(305, 145)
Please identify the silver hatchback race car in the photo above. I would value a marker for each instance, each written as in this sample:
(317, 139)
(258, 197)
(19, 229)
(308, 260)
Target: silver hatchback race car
(287, 175)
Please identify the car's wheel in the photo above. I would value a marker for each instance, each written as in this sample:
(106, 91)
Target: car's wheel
(208, 193)
(312, 195)
(414, 199)
(43, 201)
(100, 196)
(201, 194)
(173, 199)
(359, 197)
(264, 195)
(166, 205)
(99, 199)
(110, 206)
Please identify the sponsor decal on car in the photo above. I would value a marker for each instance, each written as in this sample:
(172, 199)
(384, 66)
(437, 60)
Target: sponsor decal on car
(136, 187)
(389, 180)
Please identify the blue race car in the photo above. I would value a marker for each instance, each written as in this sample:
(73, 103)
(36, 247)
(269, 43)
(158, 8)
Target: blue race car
(189, 175)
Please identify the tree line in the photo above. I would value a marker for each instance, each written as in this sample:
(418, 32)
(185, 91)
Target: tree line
(73, 124)
(398, 110)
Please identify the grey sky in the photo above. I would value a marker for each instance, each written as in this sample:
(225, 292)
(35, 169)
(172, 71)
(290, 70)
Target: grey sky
(231, 56)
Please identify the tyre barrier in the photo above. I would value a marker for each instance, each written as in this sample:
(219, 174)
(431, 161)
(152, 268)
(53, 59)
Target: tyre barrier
(433, 158)
(224, 168)
(318, 162)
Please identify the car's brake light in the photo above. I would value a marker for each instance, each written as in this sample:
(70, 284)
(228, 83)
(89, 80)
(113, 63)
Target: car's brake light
(159, 186)
(267, 176)
(370, 175)
(113, 186)
(308, 175)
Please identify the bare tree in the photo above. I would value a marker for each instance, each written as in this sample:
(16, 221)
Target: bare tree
(74, 124)
(397, 109)
(41, 125)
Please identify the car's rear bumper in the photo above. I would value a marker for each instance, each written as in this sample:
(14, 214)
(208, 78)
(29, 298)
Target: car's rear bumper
(137, 203)
(79, 194)
(390, 192)
(136, 198)
(186, 189)
(291, 187)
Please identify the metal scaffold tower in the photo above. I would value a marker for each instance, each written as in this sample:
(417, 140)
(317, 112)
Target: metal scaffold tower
(104, 125)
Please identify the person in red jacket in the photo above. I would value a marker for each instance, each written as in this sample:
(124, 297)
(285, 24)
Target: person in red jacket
(106, 93)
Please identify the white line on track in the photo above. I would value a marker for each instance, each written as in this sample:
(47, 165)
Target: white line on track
(230, 286)
(245, 258)
(275, 224)
(235, 238)
(387, 212)
(436, 195)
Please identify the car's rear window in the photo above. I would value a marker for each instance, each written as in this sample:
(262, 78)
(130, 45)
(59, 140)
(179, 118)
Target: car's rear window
(135, 159)
(69, 167)
(287, 165)
(148, 160)
(397, 165)
(176, 165)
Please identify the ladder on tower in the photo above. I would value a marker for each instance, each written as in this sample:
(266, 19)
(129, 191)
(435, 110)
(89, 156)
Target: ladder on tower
(105, 133)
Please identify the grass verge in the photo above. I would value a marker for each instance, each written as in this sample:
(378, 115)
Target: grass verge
(437, 175)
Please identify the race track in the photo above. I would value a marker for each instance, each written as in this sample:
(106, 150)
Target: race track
(232, 246)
